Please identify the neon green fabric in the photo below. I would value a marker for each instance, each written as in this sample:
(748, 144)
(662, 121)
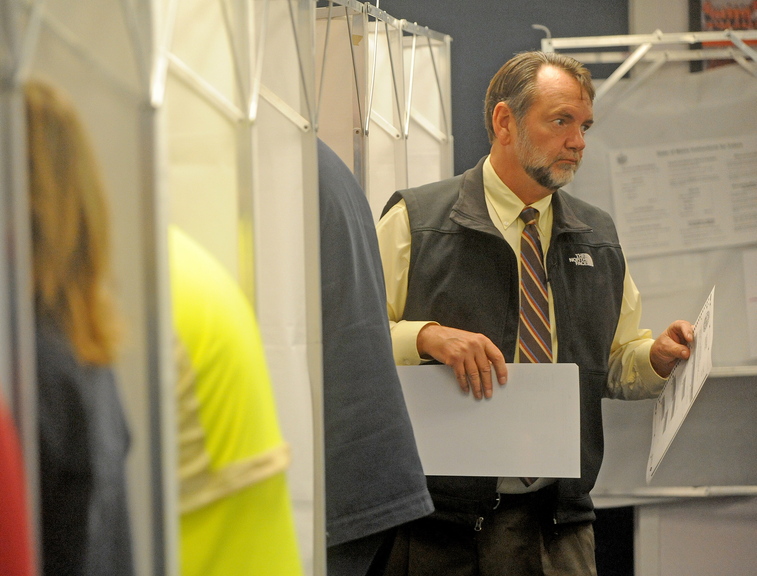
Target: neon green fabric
(236, 514)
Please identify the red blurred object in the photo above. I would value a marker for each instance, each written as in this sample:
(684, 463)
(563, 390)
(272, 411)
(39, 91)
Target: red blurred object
(16, 557)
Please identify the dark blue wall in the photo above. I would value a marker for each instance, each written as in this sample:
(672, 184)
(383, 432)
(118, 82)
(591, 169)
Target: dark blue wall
(486, 33)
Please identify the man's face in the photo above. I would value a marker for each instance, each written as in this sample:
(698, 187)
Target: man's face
(550, 139)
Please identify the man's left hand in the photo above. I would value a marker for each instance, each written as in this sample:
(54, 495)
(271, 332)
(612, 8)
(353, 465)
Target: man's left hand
(671, 346)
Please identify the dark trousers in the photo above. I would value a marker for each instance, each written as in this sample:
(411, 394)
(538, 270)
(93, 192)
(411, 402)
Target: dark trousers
(362, 557)
(513, 541)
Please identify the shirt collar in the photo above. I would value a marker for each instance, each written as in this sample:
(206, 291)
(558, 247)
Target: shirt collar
(508, 206)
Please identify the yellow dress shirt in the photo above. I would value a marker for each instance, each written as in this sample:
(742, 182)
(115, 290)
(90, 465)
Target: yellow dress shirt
(631, 375)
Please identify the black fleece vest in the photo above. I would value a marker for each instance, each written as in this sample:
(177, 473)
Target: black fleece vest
(464, 274)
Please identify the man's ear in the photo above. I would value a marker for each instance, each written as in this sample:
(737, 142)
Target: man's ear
(503, 123)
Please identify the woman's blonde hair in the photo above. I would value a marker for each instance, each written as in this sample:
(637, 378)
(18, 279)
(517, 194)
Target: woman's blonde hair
(71, 249)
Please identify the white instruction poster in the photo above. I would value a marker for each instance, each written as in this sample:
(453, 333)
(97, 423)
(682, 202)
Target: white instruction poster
(691, 195)
(682, 388)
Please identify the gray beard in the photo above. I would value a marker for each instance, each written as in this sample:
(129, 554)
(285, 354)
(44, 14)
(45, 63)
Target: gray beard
(537, 165)
(546, 177)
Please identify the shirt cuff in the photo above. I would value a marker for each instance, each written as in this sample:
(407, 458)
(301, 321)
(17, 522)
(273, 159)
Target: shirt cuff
(653, 382)
(405, 342)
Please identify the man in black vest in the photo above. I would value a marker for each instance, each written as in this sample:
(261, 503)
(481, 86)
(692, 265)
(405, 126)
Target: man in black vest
(451, 253)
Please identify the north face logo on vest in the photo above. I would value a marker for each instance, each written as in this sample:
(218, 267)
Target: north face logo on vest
(582, 259)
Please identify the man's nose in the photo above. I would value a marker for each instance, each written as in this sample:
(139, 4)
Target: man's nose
(576, 140)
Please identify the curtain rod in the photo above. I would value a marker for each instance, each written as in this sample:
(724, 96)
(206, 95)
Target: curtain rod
(642, 45)
(401, 24)
(657, 37)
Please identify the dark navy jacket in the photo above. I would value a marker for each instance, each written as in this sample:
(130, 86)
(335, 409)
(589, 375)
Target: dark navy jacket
(374, 478)
(463, 274)
(83, 446)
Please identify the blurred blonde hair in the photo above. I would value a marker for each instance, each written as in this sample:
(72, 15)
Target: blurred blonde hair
(71, 248)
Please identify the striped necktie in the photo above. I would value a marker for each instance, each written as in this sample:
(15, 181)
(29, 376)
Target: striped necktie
(535, 336)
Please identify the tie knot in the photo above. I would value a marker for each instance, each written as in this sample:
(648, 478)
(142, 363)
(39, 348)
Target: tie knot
(529, 215)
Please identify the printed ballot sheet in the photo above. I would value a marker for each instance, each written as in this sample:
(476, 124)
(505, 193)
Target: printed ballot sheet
(682, 388)
(530, 427)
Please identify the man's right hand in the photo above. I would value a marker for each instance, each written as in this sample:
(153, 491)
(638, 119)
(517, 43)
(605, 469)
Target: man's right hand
(470, 355)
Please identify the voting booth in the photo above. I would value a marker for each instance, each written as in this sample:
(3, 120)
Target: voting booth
(674, 160)
(99, 53)
(241, 178)
(205, 115)
(384, 98)
(191, 119)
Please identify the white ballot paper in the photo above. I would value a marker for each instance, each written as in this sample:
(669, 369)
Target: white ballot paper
(530, 427)
(682, 388)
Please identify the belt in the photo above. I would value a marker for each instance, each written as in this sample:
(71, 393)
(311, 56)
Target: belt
(473, 512)
(506, 500)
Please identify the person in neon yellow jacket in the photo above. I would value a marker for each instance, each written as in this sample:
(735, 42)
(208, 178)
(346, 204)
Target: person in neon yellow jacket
(236, 514)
